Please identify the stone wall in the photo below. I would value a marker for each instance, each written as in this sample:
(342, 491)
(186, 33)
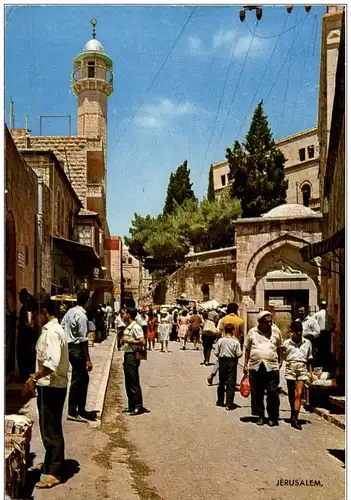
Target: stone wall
(71, 151)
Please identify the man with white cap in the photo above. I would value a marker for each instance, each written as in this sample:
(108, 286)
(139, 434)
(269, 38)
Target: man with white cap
(263, 351)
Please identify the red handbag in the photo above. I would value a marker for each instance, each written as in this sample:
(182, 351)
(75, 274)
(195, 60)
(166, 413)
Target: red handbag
(245, 389)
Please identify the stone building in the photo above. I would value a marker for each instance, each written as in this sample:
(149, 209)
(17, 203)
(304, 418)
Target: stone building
(331, 130)
(301, 151)
(130, 275)
(83, 157)
(270, 273)
(145, 285)
(114, 244)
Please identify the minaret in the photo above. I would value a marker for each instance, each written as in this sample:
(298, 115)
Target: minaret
(92, 83)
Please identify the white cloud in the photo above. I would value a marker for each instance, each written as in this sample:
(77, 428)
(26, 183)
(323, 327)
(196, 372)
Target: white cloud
(156, 115)
(194, 43)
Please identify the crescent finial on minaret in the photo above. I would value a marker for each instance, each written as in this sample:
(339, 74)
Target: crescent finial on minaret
(94, 23)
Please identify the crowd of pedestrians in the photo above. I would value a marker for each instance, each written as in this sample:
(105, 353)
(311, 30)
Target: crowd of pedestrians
(220, 332)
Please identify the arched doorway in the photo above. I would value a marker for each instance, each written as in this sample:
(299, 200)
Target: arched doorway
(205, 290)
(10, 256)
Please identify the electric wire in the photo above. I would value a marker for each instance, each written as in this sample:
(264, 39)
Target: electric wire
(157, 74)
(279, 34)
(302, 73)
(221, 99)
(259, 85)
(237, 84)
(282, 66)
(289, 69)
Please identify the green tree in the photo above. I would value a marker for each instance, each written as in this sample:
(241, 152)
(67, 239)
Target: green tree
(179, 188)
(210, 189)
(257, 169)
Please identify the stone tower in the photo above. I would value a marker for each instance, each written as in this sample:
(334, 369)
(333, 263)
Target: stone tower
(92, 83)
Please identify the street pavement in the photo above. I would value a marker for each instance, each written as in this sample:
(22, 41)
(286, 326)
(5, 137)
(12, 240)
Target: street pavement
(187, 448)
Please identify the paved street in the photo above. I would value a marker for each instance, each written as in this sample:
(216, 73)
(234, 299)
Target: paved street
(187, 448)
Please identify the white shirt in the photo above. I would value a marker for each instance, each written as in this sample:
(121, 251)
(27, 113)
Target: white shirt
(75, 324)
(52, 352)
(132, 331)
(310, 327)
(324, 319)
(142, 319)
(301, 352)
(120, 322)
(109, 310)
(228, 347)
(264, 349)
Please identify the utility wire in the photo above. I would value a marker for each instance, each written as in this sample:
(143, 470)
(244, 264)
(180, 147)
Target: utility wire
(262, 78)
(282, 66)
(279, 34)
(289, 68)
(157, 74)
(221, 99)
(302, 72)
(237, 84)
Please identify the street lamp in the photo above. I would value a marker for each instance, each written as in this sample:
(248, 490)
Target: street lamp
(289, 8)
(250, 7)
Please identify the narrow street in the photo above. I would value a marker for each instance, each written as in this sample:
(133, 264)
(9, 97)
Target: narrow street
(187, 448)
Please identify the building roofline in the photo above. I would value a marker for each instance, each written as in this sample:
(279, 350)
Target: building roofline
(295, 136)
(61, 170)
(218, 250)
(252, 220)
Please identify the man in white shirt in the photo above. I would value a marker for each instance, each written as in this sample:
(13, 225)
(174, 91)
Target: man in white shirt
(109, 315)
(310, 331)
(263, 349)
(50, 379)
(75, 324)
(133, 340)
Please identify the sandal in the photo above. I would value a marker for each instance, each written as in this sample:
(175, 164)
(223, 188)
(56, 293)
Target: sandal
(49, 482)
(37, 467)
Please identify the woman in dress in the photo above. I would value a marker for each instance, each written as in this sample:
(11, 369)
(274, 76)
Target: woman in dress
(209, 334)
(151, 330)
(183, 325)
(164, 329)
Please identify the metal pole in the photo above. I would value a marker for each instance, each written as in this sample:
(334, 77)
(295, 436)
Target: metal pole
(26, 123)
(39, 239)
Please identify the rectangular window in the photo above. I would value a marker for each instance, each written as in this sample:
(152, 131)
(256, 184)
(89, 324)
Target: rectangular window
(223, 180)
(91, 69)
(302, 154)
(310, 150)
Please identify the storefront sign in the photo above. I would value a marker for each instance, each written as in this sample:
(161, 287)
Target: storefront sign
(276, 301)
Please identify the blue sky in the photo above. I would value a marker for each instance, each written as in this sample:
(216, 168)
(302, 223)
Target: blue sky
(177, 118)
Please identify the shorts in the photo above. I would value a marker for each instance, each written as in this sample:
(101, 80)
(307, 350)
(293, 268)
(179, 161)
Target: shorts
(296, 370)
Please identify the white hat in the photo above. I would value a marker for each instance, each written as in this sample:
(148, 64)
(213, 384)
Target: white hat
(164, 311)
(261, 314)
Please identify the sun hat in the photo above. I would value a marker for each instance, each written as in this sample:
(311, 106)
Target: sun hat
(261, 314)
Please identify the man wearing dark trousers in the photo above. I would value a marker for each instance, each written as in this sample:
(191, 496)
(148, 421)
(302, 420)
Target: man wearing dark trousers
(263, 351)
(75, 324)
(133, 340)
(50, 379)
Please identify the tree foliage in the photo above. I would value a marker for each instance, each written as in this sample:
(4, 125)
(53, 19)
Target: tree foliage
(210, 189)
(257, 169)
(179, 188)
(168, 238)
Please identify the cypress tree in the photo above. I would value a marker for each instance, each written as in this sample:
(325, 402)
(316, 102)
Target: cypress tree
(210, 189)
(256, 168)
(179, 189)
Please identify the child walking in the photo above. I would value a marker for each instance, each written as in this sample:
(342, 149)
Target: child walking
(228, 351)
(297, 352)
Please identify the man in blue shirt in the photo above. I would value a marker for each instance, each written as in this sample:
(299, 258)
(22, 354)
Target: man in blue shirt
(75, 324)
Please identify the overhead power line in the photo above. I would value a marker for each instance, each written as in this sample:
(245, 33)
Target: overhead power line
(279, 34)
(221, 98)
(285, 60)
(289, 68)
(262, 78)
(157, 74)
(237, 84)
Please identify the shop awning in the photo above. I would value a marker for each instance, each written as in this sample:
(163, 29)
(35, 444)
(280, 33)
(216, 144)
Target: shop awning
(335, 242)
(85, 254)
